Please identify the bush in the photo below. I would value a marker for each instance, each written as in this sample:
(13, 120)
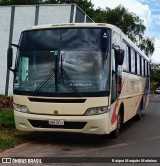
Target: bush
(6, 103)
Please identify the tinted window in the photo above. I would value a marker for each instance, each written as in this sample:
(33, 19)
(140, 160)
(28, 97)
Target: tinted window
(132, 61)
(85, 39)
(138, 64)
(43, 40)
(145, 71)
(54, 61)
(148, 69)
(135, 62)
(142, 63)
(126, 60)
(129, 57)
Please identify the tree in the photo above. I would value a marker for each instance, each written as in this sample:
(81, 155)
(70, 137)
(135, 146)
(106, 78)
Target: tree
(20, 2)
(147, 44)
(154, 76)
(99, 15)
(85, 5)
(129, 23)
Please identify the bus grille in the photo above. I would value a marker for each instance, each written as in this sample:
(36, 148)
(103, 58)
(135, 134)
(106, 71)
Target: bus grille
(67, 125)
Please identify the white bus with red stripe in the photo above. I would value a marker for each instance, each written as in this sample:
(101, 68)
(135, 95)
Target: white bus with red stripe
(83, 78)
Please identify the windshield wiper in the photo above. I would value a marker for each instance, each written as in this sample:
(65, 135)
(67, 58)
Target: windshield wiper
(63, 73)
(44, 82)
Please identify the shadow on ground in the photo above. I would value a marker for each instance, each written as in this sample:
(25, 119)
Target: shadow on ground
(77, 139)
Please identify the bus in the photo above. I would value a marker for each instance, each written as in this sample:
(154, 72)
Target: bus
(82, 78)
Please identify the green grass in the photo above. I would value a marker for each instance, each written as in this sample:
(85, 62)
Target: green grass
(9, 136)
(6, 119)
(6, 143)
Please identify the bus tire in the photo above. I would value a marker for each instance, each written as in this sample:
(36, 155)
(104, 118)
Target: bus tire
(138, 116)
(116, 132)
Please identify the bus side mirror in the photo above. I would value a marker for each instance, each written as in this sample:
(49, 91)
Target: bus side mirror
(119, 56)
(10, 58)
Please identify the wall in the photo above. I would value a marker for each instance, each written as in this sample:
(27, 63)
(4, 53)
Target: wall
(5, 13)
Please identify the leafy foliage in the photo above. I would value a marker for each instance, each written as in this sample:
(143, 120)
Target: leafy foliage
(147, 44)
(155, 76)
(20, 2)
(6, 103)
(129, 23)
(85, 5)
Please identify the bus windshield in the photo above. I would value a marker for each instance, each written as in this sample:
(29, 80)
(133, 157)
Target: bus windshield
(46, 56)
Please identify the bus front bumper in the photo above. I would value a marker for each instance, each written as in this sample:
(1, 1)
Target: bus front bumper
(95, 124)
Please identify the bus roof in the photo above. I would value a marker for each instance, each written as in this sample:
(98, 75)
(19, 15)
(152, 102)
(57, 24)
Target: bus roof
(46, 26)
(100, 25)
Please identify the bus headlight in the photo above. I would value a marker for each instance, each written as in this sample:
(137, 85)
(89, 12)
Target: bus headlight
(21, 108)
(97, 110)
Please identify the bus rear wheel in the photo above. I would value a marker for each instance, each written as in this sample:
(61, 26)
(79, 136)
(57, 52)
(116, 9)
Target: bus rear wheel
(138, 116)
(116, 132)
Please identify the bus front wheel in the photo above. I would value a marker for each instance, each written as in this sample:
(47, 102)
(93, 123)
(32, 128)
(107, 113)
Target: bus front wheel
(116, 132)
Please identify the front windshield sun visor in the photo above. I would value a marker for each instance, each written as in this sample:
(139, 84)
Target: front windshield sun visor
(64, 62)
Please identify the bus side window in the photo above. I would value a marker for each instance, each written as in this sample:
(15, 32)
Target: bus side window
(146, 69)
(24, 70)
(132, 61)
(138, 64)
(129, 57)
(148, 72)
(126, 61)
(142, 63)
(135, 62)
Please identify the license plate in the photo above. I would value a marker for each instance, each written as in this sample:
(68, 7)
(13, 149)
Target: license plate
(56, 122)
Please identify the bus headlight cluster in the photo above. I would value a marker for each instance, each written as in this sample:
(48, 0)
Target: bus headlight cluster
(21, 108)
(97, 110)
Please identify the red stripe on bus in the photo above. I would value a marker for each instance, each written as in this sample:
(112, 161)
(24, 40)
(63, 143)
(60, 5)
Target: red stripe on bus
(138, 100)
(114, 116)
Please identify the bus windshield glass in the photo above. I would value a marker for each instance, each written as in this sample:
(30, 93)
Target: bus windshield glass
(51, 62)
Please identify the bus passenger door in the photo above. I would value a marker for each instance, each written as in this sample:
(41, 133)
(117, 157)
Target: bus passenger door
(114, 94)
(114, 86)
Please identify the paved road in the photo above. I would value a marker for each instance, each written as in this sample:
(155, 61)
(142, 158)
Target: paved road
(137, 139)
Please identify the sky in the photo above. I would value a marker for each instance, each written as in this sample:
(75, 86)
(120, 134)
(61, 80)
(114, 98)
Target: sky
(148, 10)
